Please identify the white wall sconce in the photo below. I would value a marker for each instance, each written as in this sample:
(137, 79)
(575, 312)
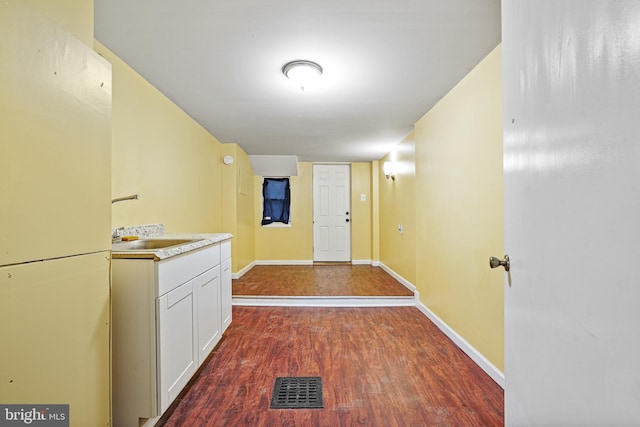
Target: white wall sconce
(388, 169)
(302, 73)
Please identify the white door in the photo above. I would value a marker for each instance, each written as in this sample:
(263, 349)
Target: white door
(571, 73)
(331, 213)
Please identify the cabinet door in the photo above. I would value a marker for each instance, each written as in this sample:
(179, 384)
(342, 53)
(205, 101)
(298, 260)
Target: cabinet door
(177, 342)
(225, 294)
(208, 296)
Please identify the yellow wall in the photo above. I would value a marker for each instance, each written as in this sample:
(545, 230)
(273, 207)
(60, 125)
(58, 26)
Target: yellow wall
(54, 325)
(398, 206)
(162, 154)
(75, 16)
(361, 218)
(459, 201)
(295, 243)
(237, 216)
(375, 212)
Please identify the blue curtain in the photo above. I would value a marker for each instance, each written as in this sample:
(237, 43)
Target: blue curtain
(276, 197)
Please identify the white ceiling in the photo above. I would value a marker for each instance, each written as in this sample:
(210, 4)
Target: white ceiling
(386, 63)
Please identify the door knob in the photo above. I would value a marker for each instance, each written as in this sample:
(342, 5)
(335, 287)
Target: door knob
(347, 220)
(497, 262)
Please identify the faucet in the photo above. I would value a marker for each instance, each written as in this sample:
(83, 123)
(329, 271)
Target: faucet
(120, 199)
(115, 236)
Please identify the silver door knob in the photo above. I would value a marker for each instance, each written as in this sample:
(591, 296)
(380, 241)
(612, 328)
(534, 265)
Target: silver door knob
(497, 262)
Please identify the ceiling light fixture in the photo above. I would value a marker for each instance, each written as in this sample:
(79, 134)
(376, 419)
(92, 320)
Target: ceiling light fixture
(302, 73)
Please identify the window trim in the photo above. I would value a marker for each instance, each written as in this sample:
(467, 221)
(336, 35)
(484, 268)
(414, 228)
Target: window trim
(276, 225)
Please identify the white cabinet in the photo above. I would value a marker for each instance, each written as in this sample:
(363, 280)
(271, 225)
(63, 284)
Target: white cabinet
(225, 290)
(209, 330)
(177, 342)
(167, 317)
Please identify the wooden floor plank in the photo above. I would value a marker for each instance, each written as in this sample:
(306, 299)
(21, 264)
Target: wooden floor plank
(318, 280)
(379, 367)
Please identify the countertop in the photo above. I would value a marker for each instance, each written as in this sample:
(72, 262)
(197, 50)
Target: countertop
(199, 241)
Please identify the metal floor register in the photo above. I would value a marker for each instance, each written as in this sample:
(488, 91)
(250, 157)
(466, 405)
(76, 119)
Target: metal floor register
(297, 392)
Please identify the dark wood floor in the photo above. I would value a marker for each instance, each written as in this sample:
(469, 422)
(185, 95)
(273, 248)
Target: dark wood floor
(379, 367)
(318, 280)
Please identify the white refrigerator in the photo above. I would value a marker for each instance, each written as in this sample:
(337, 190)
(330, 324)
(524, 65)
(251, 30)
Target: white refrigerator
(55, 218)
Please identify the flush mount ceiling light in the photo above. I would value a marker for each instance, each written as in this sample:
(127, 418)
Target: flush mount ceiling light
(302, 73)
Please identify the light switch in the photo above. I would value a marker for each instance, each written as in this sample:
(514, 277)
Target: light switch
(363, 197)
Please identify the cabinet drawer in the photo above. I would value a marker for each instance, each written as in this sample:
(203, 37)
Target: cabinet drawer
(173, 272)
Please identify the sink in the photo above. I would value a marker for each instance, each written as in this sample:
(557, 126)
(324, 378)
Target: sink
(150, 244)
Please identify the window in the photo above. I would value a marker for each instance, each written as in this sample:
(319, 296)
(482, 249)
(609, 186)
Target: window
(276, 200)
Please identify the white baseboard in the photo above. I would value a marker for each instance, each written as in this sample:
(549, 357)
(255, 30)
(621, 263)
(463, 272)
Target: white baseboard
(284, 262)
(399, 278)
(291, 301)
(243, 271)
(475, 355)
(309, 262)
(148, 422)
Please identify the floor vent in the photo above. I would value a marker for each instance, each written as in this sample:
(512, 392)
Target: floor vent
(297, 392)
